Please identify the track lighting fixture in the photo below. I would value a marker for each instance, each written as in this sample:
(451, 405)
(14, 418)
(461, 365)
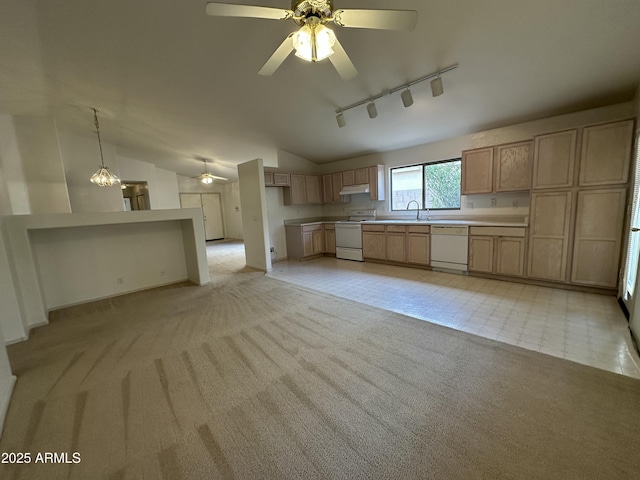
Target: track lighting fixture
(436, 87)
(372, 110)
(406, 95)
(407, 98)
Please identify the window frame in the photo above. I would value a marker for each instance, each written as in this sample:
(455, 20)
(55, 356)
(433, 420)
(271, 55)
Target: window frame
(423, 165)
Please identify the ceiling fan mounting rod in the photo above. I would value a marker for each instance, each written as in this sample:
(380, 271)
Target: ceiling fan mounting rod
(397, 89)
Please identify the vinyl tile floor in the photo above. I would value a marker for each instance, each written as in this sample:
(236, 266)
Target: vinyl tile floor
(582, 327)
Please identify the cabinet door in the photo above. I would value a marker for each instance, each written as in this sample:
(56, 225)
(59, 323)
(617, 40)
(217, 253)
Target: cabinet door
(298, 189)
(330, 241)
(281, 179)
(481, 254)
(373, 245)
(318, 241)
(549, 235)
(307, 244)
(362, 176)
(376, 183)
(348, 178)
(598, 237)
(336, 180)
(312, 184)
(510, 256)
(477, 171)
(554, 159)
(606, 152)
(418, 249)
(396, 247)
(327, 189)
(268, 179)
(513, 167)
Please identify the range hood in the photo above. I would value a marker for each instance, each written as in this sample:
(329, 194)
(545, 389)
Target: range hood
(352, 189)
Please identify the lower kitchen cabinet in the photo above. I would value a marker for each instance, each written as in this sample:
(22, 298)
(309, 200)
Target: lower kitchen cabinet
(373, 242)
(330, 238)
(418, 245)
(305, 241)
(396, 243)
(497, 250)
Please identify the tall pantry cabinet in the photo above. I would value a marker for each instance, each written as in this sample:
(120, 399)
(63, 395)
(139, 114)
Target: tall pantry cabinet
(578, 198)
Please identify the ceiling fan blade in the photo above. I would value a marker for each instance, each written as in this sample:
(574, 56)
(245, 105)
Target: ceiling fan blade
(378, 19)
(232, 10)
(342, 62)
(279, 56)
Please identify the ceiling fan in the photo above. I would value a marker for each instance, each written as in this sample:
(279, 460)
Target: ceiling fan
(206, 177)
(314, 41)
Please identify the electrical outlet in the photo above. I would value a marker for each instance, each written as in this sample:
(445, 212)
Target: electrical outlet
(494, 202)
(515, 203)
(120, 280)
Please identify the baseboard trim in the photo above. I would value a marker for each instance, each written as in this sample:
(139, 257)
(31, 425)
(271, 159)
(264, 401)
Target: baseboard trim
(4, 406)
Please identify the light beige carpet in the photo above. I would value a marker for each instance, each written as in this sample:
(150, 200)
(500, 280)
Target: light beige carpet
(255, 378)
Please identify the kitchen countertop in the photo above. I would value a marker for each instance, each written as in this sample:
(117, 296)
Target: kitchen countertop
(505, 221)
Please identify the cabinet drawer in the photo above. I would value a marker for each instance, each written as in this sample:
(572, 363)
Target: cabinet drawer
(396, 228)
(418, 228)
(373, 228)
(311, 228)
(498, 231)
(329, 226)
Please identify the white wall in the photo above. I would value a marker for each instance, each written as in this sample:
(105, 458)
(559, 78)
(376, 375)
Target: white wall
(166, 194)
(85, 263)
(254, 215)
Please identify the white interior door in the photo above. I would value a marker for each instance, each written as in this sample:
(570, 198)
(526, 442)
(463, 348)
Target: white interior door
(212, 210)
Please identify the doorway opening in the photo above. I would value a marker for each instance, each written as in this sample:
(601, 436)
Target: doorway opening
(135, 196)
(211, 206)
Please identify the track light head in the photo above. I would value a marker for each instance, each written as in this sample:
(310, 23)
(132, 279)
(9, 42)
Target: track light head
(436, 87)
(341, 120)
(372, 110)
(407, 98)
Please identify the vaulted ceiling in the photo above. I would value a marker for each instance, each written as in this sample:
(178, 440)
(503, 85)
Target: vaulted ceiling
(172, 83)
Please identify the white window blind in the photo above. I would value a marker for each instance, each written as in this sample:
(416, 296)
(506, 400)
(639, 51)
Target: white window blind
(633, 247)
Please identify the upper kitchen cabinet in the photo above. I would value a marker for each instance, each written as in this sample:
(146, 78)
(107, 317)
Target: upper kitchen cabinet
(304, 189)
(314, 188)
(361, 176)
(513, 167)
(477, 171)
(606, 153)
(376, 183)
(275, 179)
(554, 160)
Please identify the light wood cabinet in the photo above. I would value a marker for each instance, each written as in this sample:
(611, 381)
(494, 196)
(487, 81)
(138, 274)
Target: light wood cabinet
(513, 167)
(418, 248)
(330, 238)
(336, 179)
(497, 250)
(307, 244)
(477, 171)
(549, 235)
(598, 237)
(327, 189)
(605, 154)
(510, 253)
(373, 242)
(318, 241)
(377, 183)
(361, 176)
(554, 159)
(481, 254)
(312, 184)
(306, 241)
(275, 179)
(268, 179)
(297, 192)
(349, 178)
(396, 243)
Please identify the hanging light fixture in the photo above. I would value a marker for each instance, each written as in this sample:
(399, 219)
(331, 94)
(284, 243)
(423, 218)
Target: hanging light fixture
(436, 87)
(341, 120)
(103, 177)
(208, 178)
(372, 110)
(314, 42)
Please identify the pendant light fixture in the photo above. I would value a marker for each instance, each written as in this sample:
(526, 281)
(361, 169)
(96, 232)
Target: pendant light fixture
(103, 177)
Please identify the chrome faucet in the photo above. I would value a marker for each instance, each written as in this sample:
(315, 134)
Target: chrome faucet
(417, 209)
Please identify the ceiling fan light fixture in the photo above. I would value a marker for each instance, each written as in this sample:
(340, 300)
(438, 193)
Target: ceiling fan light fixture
(436, 87)
(407, 98)
(314, 43)
(372, 110)
(206, 179)
(341, 120)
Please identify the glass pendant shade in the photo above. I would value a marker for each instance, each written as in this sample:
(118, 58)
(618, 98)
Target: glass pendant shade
(314, 43)
(206, 179)
(104, 178)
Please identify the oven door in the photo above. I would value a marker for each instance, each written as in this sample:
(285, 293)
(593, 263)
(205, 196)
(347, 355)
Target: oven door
(349, 235)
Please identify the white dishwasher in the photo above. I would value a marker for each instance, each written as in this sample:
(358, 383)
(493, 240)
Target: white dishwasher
(450, 248)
